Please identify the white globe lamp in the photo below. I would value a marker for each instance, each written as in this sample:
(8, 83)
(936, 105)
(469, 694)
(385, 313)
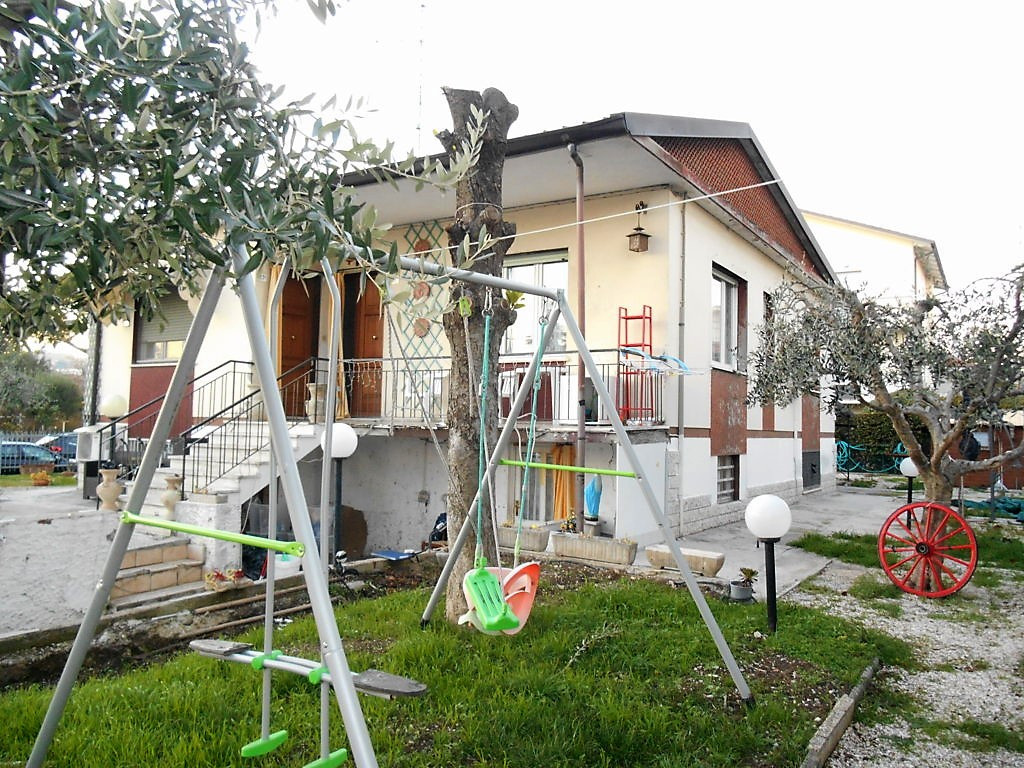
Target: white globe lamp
(768, 518)
(344, 440)
(113, 407)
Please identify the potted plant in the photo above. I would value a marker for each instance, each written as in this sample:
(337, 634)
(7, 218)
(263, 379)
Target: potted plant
(218, 581)
(42, 477)
(742, 589)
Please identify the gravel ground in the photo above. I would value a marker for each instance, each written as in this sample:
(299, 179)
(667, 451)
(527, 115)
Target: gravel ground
(971, 652)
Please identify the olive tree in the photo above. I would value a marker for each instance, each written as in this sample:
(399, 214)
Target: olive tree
(138, 146)
(953, 362)
(478, 221)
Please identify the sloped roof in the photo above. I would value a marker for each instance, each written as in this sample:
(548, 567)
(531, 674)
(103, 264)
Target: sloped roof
(632, 150)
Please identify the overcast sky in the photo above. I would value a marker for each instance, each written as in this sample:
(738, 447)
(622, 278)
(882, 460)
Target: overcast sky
(899, 114)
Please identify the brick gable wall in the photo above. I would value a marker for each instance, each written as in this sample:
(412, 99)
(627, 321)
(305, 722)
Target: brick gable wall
(716, 165)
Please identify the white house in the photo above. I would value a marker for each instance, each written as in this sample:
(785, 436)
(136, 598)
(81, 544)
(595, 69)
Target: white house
(723, 232)
(880, 262)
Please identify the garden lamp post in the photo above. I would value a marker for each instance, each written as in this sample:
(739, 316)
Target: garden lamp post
(909, 470)
(344, 442)
(768, 518)
(113, 407)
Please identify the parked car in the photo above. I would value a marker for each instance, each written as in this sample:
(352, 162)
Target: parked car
(13, 455)
(65, 444)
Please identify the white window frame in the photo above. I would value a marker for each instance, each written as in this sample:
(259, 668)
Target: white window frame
(529, 315)
(725, 337)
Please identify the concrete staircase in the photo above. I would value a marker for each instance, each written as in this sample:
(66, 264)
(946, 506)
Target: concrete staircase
(158, 571)
(237, 476)
(166, 565)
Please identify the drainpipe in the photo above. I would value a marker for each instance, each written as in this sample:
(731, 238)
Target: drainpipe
(91, 403)
(680, 342)
(581, 303)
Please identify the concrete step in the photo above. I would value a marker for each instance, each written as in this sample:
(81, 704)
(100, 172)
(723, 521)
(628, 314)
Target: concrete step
(146, 578)
(165, 551)
(155, 596)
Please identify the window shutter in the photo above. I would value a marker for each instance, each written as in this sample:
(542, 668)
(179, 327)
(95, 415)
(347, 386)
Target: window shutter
(173, 326)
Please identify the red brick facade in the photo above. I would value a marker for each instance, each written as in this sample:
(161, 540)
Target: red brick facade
(717, 165)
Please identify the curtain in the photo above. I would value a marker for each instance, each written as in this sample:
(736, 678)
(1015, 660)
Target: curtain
(341, 410)
(565, 487)
(275, 276)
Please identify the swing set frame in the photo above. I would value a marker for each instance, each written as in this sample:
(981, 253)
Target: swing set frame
(562, 309)
(333, 656)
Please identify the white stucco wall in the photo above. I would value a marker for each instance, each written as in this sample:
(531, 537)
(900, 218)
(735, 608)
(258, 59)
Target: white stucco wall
(879, 263)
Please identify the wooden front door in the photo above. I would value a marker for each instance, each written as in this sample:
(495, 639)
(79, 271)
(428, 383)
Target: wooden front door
(364, 324)
(810, 431)
(300, 329)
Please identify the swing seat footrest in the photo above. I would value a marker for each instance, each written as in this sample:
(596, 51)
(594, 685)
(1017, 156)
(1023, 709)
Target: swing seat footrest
(262, 747)
(331, 761)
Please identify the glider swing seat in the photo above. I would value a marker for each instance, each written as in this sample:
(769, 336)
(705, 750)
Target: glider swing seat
(518, 584)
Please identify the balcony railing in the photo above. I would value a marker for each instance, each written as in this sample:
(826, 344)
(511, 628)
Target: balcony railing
(228, 419)
(413, 390)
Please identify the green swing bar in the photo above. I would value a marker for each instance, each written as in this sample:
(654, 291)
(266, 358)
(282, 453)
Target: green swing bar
(567, 468)
(295, 548)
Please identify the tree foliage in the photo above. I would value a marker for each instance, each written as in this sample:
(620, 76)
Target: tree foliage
(948, 362)
(138, 146)
(33, 397)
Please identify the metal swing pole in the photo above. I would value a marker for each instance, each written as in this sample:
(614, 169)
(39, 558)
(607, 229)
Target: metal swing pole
(298, 511)
(271, 569)
(147, 468)
(326, 520)
(504, 438)
(655, 507)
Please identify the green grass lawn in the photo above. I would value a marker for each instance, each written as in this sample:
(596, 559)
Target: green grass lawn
(999, 546)
(24, 481)
(614, 673)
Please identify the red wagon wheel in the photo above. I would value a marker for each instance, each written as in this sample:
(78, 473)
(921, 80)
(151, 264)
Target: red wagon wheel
(927, 549)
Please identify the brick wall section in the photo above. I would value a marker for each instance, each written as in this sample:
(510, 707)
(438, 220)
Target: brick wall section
(716, 165)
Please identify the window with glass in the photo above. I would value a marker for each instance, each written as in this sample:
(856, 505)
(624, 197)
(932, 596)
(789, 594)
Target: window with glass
(728, 479)
(724, 301)
(162, 338)
(547, 269)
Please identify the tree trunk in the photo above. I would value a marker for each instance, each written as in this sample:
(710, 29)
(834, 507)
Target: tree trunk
(478, 207)
(937, 487)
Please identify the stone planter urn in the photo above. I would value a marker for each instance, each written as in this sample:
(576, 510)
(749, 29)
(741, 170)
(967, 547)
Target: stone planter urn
(599, 548)
(315, 404)
(170, 497)
(532, 539)
(109, 490)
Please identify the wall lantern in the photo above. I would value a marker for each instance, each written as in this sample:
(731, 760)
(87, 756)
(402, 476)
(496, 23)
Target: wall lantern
(638, 238)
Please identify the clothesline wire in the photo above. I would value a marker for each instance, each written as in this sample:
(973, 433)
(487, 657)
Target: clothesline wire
(556, 227)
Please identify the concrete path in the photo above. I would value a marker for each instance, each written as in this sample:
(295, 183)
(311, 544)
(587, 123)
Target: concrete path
(35, 503)
(854, 510)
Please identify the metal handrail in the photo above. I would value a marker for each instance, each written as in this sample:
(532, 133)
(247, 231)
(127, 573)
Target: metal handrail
(215, 389)
(249, 435)
(403, 388)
